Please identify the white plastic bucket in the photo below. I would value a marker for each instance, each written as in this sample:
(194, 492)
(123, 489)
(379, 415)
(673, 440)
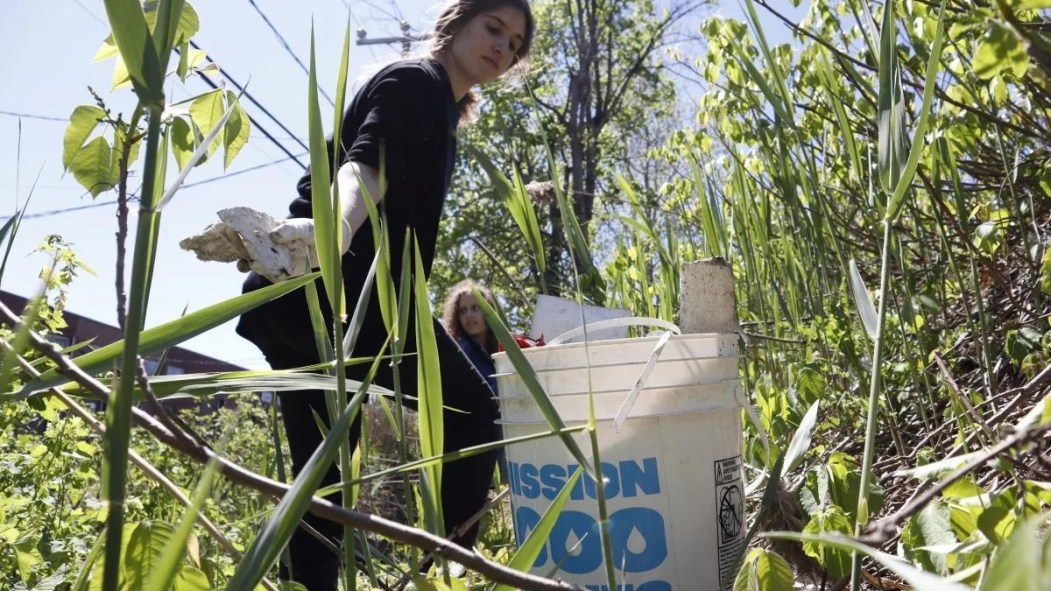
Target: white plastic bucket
(675, 490)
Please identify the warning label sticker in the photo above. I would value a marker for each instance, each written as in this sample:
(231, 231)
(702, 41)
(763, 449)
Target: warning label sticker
(729, 498)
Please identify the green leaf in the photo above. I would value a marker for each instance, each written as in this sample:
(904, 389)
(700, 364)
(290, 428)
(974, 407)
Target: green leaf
(183, 140)
(863, 302)
(996, 523)
(92, 166)
(537, 538)
(801, 439)
(27, 557)
(1020, 564)
(172, 333)
(207, 110)
(191, 579)
(1000, 51)
(143, 544)
(764, 570)
(238, 126)
(171, 560)
(107, 50)
(82, 121)
(930, 527)
(833, 559)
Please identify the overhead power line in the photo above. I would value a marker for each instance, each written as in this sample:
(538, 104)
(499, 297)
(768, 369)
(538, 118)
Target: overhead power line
(288, 48)
(33, 116)
(53, 212)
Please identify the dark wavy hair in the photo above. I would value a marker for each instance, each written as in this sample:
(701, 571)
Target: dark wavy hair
(451, 316)
(457, 13)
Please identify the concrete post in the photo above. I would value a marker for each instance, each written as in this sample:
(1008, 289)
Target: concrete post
(707, 292)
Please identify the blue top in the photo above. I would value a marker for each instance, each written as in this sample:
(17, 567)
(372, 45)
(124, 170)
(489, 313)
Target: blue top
(481, 360)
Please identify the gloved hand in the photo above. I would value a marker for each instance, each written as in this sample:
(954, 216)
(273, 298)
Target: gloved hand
(300, 231)
(277, 250)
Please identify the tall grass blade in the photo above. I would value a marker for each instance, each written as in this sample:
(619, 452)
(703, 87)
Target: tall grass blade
(10, 227)
(891, 105)
(163, 574)
(357, 319)
(537, 538)
(132, 36)
(846, 131)
(285, 519)
(118, 410)
(452, 456)
(171, 333)
(862, 514)
(521, 207)
(529, 378)
(20, 340)
(327, 229)
(784, 97)
(913, 576)
(165, 29)
(431, 417)
(897, 200)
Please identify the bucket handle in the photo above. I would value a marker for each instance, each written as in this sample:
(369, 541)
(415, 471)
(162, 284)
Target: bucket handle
(614, 323)
(633, 395)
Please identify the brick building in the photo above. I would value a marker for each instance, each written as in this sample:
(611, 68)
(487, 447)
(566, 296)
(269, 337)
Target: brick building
(176, 360)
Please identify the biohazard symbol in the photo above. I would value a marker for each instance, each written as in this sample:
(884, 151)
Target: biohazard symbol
(731, 506)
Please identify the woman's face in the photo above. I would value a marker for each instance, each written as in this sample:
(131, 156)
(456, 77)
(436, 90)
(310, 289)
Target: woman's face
(486, 46)
(469, 313)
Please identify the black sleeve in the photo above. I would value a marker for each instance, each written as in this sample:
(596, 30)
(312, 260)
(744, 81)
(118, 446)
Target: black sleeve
(400, 109)
(403, 108)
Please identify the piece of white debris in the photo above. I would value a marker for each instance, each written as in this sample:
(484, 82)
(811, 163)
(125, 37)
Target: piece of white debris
(243, 236)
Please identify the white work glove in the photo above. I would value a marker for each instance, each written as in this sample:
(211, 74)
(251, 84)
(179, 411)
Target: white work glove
(297, 234)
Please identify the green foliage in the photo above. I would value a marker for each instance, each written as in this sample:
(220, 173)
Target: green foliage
(799, 172)
(764, 571)
(142, 550)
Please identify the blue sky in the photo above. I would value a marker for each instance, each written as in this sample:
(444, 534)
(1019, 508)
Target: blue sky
(50, 46)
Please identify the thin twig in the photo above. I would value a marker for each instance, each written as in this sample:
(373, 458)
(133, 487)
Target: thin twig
(964, 399)
(880, 531)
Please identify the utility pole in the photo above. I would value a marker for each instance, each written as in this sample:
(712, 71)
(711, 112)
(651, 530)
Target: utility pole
(406, 39)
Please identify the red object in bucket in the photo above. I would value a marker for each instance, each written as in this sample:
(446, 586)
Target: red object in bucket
(524, 342)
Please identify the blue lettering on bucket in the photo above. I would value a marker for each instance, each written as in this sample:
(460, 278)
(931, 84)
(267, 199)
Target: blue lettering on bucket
(628, 478)
(528, 483)
(647, 586)
(574, 542)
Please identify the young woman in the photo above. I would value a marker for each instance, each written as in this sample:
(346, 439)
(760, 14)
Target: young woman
(402, 122)
(466, 324)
